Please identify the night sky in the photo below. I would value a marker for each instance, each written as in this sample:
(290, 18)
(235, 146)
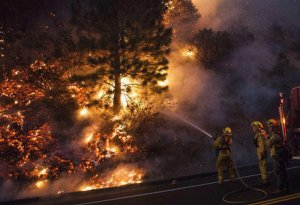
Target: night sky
(25, 14)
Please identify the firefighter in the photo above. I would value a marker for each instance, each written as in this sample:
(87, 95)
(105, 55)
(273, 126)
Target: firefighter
(261, 148)
(278, 153)
(222, 145)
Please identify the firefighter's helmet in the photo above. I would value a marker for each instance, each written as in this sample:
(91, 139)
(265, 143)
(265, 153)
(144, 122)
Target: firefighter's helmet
(227, 131)
(257, 124)
(272, 123)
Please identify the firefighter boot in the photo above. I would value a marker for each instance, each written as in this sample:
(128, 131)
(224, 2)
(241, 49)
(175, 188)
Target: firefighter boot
(278, 192)
(220, 180)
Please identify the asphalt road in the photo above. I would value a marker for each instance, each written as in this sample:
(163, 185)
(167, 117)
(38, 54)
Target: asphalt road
(199, 189)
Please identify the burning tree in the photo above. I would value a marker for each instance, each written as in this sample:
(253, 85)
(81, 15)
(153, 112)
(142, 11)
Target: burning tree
(124, 39)
(182, 16)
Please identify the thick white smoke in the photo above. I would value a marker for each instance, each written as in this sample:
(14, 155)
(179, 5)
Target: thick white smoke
(202, 88)
(257, 15)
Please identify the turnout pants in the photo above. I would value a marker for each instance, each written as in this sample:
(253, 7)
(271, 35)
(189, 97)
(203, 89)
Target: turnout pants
(223, 161)
(279, 169)
(263, 169)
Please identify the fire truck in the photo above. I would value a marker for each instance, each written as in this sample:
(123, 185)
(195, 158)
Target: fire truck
(290, 120)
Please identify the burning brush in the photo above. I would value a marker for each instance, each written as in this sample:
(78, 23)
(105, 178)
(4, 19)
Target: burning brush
(35, 158)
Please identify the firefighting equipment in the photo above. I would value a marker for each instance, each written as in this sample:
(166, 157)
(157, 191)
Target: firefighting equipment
(257, 124)
(262, 152)
(227, 131)
(282, 120)
(279, 170)
(272, 123)
(279, 154)
(261, 148)
(222, 145)
(274, 142)
(262, 164)
(231, 167)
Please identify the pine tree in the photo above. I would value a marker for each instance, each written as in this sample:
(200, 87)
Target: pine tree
(284, 75)
(124, 38)
(212, 46)
(182, 16)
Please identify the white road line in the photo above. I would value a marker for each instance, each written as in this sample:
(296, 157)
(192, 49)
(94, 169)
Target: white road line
(168, 190)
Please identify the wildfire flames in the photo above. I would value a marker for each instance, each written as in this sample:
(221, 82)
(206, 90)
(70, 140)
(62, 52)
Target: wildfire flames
(34, 156)
(29, 157)
(30, 153)
(189, 52)
(120, 176)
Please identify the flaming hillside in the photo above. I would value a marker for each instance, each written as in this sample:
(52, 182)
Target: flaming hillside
(36, 157)
(38, 100)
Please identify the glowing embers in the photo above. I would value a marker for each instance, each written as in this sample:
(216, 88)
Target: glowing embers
(83, 112)
(41, 183)
(27, 152)
(98, 146)
(104, 147)
(110, 150)
(40, 172)
(189, 52)
(163, 83)
(129, 91)
(87, 188)
(120, 176)
(88, 138)
(42, 175)
(38, 157)
(99, 95)
(43, 172)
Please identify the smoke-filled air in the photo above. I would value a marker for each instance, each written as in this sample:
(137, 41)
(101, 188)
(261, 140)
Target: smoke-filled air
(105, 93)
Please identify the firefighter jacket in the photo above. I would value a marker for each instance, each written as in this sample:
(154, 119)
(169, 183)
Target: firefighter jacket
(274, 142)
(261, 145)
(222, 145)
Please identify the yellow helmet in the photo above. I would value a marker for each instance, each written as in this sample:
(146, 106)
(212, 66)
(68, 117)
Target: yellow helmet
(257, 124)
(227, 131)
(272, 123)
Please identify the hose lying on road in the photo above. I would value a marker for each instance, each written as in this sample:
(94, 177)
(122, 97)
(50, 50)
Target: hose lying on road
(246, 187)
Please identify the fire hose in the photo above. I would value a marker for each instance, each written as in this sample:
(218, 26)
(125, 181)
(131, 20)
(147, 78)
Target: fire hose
(246, 187)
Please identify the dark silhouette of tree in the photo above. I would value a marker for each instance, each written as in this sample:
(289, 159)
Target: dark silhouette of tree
(212, 46)
(24, 26)
(182, 16)
(240, 36)
(283, 76)
(124, 38)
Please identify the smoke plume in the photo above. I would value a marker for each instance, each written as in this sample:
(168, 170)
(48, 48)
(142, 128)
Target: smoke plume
(243, 91)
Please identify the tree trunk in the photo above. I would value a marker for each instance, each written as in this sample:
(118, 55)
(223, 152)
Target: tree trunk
(117, 94)
(117, 103)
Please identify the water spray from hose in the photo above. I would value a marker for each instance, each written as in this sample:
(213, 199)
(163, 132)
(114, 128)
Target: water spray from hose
(187, 122)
